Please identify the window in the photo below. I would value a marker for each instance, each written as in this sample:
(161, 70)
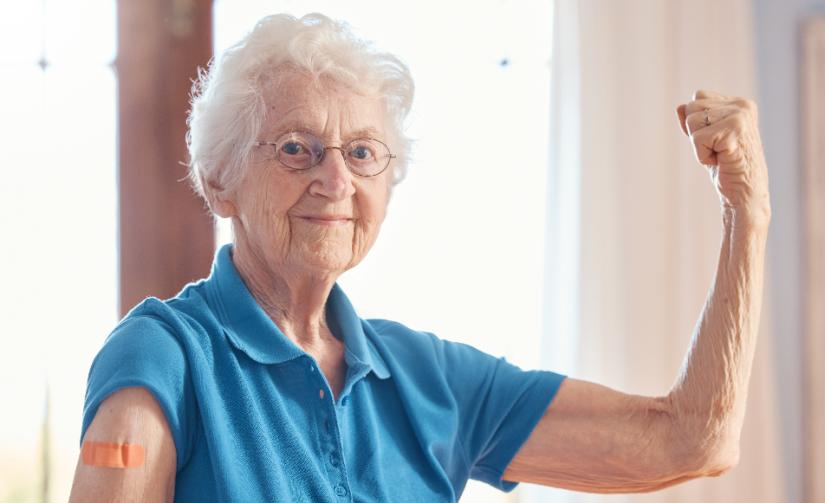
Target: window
(58, 218)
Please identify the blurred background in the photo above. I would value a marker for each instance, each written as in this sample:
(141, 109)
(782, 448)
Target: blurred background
(587, 250)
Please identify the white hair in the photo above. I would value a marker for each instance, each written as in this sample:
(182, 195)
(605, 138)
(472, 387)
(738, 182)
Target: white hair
(228, 108)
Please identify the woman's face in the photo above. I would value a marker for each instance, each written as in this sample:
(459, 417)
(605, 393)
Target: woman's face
(323, 219)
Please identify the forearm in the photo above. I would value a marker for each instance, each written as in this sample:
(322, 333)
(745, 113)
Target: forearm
(597, 439)
(709, 396)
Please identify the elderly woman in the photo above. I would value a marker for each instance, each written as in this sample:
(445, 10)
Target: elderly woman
(261, 383)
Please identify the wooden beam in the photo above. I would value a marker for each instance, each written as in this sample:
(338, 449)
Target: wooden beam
(166, 236)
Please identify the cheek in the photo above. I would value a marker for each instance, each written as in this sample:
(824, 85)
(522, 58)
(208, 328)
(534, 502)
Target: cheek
(267, 206)
(372, 210)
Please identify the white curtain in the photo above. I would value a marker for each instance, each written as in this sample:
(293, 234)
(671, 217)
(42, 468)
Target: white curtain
(635, 225)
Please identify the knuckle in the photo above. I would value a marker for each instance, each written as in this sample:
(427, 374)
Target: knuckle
(746, 104)
(739, 119)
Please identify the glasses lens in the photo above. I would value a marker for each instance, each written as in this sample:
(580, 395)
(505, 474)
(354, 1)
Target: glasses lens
(298, 150)
(367, 157)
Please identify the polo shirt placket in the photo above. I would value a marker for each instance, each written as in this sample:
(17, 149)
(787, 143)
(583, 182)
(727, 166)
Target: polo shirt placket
(329, 440)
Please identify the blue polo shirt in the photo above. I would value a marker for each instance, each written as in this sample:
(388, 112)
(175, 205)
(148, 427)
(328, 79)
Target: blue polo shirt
(253, 418)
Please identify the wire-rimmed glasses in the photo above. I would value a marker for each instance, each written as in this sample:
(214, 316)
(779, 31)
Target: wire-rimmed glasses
(300, 151)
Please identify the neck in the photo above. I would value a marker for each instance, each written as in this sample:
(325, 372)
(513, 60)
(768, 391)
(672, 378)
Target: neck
(294, 300)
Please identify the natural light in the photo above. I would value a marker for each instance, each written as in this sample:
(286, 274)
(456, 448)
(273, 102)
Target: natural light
(58, 213)
(465, 231)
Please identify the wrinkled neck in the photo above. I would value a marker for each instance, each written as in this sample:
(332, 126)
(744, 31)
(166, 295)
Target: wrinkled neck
(295, 299)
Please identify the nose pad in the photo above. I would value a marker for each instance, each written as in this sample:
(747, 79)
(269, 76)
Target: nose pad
(333, 178)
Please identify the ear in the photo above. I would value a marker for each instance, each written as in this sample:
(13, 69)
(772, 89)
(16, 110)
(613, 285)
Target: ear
(221, 200)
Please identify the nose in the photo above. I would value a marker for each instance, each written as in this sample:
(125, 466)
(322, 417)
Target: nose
(333, 179)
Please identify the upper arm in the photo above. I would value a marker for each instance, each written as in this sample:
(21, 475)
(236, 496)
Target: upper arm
(496, 405)
(592, 438)
(129, 416)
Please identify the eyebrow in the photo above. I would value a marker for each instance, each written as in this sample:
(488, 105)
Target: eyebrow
(367, 132)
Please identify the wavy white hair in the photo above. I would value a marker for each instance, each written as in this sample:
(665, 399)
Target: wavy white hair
(228, 106)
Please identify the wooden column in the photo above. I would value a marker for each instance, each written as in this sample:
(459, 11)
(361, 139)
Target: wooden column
(166, 236)
(813, 116)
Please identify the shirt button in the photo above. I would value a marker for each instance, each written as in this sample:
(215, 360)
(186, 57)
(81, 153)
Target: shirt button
(341, 490)
(333, 459)
(321, 394)
(311, 367)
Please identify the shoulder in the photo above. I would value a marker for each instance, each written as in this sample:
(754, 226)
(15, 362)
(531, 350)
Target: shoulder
(185, 320)
(405, 343)
(188, 309)
(156, 342)
(396, 337)
(150, 330)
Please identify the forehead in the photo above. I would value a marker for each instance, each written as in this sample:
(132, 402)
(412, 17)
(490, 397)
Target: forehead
(296, 101)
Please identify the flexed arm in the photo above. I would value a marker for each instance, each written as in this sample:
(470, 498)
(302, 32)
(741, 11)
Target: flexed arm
(596, 439)
(712, 386)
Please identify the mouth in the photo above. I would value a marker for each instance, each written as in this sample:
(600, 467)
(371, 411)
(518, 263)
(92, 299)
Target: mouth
(327, 220)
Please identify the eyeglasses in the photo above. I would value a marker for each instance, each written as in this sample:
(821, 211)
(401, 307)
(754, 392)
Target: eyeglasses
(300, 151)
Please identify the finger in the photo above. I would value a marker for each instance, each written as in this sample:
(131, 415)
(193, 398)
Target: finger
(709, 141)
(699, 105)
(705, 94)
(708, 116)
(680, 112)
(703, 146)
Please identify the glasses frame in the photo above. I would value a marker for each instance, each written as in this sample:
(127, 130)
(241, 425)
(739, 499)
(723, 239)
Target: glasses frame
(390, 156)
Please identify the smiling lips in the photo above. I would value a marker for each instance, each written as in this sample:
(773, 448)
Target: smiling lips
(328, 220)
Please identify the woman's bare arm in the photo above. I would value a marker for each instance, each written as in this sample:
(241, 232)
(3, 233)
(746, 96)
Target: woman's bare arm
(596, 439)
(129, 416)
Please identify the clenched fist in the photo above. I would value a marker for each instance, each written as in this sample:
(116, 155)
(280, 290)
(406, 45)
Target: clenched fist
(725, 137)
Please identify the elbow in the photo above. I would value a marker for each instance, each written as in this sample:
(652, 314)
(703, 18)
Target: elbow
(723, 459)
(703, 447)
(714, 459)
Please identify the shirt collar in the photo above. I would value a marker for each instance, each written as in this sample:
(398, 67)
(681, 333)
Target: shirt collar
(249, 329)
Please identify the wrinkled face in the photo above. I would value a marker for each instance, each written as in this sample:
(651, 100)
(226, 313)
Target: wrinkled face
(323, 219)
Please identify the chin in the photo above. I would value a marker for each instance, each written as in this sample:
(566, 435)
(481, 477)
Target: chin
(328, 259)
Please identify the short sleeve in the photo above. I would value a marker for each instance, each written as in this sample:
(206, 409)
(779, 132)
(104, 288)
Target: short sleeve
(499, 405)
(142, 351)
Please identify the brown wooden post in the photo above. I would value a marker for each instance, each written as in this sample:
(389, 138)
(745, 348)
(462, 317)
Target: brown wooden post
(166, 236)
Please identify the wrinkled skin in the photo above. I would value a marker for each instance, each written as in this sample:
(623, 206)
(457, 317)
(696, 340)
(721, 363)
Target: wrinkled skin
(296, 232)
(592, 438)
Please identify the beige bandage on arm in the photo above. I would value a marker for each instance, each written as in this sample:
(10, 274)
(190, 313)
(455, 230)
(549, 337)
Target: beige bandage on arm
(112, 455)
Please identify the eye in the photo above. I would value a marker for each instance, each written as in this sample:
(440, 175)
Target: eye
(299, 150)
(292, 148)
(362, 152)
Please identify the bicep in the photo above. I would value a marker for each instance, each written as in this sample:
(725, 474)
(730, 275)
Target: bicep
(596, 439)
(128, 416)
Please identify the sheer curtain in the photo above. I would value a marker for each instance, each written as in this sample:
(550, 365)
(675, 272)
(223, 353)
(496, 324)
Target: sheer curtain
(628, 282)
